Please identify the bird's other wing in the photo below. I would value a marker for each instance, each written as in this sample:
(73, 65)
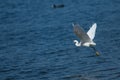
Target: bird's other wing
(92, 30)
(80, 33)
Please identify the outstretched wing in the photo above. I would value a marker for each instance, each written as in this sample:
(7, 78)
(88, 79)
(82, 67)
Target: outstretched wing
(81, 33)
(92, 30)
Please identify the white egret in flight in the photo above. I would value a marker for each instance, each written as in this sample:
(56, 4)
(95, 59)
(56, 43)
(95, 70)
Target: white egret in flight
(86, 39)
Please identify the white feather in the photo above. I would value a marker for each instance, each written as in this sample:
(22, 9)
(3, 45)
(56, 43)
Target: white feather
(92, 30)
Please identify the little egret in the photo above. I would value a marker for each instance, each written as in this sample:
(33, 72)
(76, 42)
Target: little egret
(86, 39)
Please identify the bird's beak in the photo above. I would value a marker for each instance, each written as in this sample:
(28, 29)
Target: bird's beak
(73, 24)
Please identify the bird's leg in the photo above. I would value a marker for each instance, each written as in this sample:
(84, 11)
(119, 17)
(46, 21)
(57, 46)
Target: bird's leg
(97, 53)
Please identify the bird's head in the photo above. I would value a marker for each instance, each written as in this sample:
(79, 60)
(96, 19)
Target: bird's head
(75, 41)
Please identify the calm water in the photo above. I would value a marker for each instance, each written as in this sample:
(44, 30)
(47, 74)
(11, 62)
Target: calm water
(36, 41)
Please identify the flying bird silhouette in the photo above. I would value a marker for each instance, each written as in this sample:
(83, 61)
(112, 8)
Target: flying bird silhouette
(86, 39)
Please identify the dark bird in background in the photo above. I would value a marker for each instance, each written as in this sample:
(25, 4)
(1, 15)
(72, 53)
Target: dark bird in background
(58, 5)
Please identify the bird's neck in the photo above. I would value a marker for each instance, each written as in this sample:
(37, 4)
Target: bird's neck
(77, 43)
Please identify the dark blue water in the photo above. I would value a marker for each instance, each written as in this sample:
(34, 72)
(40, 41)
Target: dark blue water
(36, 41)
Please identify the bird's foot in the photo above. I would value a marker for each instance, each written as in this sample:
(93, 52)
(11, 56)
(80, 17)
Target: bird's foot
(97, 53)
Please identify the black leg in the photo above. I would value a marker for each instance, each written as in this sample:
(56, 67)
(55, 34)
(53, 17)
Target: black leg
(97, 53)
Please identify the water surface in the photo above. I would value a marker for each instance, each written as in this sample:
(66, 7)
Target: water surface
(36, 41)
